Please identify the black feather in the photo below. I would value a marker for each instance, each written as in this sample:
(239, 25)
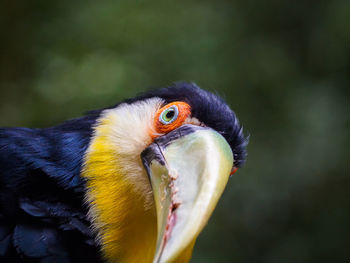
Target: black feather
(42, 214)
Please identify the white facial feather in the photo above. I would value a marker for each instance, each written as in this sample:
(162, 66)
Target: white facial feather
(131, 125)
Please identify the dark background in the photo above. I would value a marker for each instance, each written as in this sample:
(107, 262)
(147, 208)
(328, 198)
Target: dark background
(283, 66)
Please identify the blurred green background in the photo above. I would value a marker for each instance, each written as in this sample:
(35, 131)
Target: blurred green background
(283, 66)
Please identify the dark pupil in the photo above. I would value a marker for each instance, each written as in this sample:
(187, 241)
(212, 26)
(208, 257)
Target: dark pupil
(170, 114)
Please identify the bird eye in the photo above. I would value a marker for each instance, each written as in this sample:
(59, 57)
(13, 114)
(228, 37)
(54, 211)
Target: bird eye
(169, 115)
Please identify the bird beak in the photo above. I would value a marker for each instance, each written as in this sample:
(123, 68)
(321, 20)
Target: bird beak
(188, 169)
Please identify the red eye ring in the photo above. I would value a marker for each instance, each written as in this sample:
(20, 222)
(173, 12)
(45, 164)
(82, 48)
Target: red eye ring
(182, 109)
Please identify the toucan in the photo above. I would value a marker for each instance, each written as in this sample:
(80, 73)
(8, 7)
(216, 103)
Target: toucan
(135, 182)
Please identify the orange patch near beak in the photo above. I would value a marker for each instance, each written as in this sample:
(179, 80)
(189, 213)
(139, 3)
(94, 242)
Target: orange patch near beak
(234, 169)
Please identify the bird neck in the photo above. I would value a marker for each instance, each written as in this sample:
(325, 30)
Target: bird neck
(119, 195)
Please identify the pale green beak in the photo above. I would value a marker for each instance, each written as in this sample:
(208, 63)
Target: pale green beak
(188, 170)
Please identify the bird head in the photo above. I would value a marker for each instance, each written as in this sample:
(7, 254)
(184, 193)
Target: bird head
(155, 170)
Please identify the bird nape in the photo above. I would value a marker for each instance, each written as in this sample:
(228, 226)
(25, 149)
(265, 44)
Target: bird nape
(135, 182)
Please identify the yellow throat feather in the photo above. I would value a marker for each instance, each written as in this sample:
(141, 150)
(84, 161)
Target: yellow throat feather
(119, 194)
